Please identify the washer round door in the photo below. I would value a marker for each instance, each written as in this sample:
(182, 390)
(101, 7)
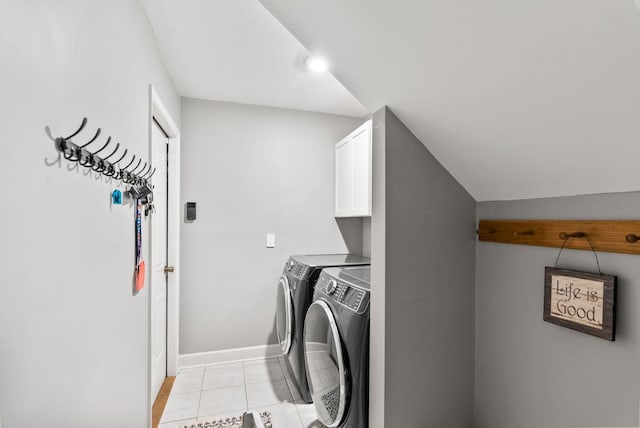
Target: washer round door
(284, 315)
(325, 364)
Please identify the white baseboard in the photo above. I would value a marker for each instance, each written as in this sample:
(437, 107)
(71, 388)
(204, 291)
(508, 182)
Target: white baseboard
(229, 355)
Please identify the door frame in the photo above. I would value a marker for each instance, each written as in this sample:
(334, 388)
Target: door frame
(158, 111)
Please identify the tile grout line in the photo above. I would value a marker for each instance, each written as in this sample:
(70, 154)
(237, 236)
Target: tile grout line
(270, 380)
(204, 373)
(218, 388)
(299, 415)
(283, 367)
(246, 394)
(289, 385)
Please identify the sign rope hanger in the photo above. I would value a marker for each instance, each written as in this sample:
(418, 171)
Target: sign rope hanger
(567, 236)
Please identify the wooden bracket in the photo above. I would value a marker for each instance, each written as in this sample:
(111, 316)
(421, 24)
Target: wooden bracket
(613, 236)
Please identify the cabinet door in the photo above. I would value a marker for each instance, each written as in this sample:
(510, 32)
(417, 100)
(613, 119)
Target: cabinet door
(344, 178)
(361, 171)
(353, 174)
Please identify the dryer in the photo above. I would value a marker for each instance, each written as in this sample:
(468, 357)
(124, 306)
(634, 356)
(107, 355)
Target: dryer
(295, 290)
(336, 343)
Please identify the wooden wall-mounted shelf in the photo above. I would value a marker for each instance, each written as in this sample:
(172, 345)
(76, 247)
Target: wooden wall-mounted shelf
(613, 236)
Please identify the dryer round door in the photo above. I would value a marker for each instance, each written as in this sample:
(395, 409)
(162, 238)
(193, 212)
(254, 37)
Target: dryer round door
(325, 364)
(284, 315)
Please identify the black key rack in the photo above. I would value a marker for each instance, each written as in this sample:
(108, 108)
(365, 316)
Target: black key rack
(137, 177)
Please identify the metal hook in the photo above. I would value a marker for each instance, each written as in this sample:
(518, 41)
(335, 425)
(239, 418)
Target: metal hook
(143, 173)
(88, 161)
(82, 125)
(122, 173)
(138, 177)
(112, 153)
(132, 159)
(136, 167)
(153, 172)
(122, 157)
(143, 168)
(103, 147)
(110, 170)
(70, 151)
(125, 174)
(98, 132)
(102, 164)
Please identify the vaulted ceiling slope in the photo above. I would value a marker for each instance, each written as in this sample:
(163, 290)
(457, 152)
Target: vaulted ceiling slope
(235, 50)
(517, 99)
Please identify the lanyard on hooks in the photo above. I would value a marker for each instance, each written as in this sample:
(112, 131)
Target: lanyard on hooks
(138, 232)
(140, 266)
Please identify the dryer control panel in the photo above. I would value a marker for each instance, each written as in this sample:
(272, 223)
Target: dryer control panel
(294, 268)
(349, 295)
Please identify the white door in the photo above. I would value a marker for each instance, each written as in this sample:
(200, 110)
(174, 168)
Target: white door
(158, 261)
(344, 178)
(361, 193)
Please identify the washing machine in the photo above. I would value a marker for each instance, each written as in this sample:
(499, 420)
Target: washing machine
(295, 290)
(336, 343)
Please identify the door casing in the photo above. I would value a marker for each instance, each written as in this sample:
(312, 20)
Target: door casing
(158, 111)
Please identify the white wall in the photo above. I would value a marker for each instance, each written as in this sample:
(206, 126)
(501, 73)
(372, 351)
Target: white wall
(73, 338)
(252, 170)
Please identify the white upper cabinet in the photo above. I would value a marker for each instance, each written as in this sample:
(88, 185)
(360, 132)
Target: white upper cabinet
(353, 174)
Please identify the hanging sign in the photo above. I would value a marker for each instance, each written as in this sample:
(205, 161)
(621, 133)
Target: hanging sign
(580, 301)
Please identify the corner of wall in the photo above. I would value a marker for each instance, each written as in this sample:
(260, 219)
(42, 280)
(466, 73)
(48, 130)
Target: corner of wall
(377, 390)
(429, 226)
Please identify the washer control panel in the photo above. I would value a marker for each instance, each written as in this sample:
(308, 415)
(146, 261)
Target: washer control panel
(346, 294)
(352, 298)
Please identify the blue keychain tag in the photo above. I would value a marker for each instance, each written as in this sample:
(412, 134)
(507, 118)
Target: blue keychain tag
(116, 197)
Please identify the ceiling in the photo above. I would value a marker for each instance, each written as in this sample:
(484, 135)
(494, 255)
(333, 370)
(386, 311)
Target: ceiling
(235, 50)
(517, 99)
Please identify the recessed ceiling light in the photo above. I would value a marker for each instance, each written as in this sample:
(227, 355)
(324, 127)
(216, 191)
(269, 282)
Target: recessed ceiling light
(316, 64)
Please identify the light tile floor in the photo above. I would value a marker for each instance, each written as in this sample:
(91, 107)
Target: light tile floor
(229, 389)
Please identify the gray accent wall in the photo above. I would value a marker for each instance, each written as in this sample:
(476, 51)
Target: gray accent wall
(74, 340)
(428, 265)
(253, 170)
(532, 374)
(377, 241)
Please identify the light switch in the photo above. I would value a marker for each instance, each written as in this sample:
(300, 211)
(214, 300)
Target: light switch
(271, 240)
